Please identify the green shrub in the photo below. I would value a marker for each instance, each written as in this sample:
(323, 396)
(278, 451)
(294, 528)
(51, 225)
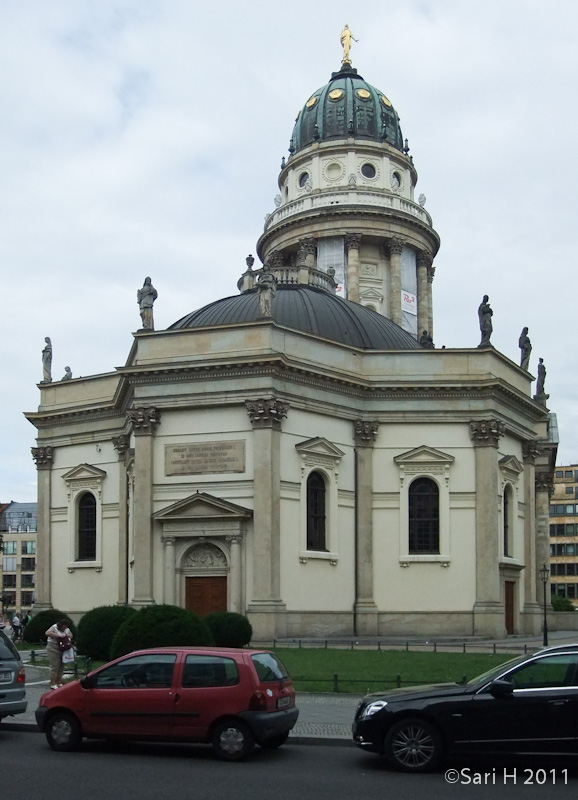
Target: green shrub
(229, 629)
(34, 631)
(562, 603)
(160, 626)
(97, 629)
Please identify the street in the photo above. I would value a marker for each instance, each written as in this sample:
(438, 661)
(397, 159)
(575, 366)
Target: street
(126, 771)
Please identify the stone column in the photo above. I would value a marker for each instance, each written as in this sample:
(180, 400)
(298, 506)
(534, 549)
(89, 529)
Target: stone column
(144, 422)
(543, 485)
(489, 614)
(352, 242)
(266, 608)
(395, 246)
(366, 622)
(531, 611)
(121, 444)
(235, 589)
(430, 276)
(424, 261)
(310, 246)
(170, 570)
(43, 456)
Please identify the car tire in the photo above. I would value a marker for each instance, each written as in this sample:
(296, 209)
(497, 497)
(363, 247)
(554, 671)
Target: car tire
(413, 745)
(232, 741)
(63, 732)
(275, 741)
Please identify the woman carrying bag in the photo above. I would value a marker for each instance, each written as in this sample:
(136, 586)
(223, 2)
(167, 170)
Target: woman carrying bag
(58, 640)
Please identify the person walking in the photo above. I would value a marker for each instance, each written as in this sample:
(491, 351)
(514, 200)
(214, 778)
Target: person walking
(16, 628)
(54, 635)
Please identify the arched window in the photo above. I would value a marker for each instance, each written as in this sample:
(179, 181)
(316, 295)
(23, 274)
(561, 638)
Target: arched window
(424, 517)
(507, 520)
(87, 527)
(316, 512)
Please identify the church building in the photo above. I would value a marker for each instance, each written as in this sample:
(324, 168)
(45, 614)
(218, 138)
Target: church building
(300, 452)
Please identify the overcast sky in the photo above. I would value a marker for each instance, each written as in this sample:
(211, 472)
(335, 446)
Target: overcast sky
(144, 137)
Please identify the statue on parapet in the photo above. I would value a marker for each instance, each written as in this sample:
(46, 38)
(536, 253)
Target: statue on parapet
(485, 317)
(145, 298)
(266, 286)
(541, 395)
(426, 341)
(525, 346)
(47, 361)
(67, 374)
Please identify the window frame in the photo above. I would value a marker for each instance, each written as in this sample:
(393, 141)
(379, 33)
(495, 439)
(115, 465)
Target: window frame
(433, 517)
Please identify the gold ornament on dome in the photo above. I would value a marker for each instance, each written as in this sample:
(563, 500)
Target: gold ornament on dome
(311, 102)
(336, 94)
(385, 101)
(364, 94)
(346, 38)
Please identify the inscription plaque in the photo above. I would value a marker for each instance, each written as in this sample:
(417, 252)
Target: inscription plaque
(205, 458)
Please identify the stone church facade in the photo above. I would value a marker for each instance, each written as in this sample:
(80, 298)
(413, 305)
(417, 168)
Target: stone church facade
(294, 452)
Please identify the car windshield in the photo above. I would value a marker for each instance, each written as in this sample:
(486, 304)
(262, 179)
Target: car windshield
(495, 672)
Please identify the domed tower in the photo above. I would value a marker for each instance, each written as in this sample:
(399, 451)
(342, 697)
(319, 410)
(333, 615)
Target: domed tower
(345, 218)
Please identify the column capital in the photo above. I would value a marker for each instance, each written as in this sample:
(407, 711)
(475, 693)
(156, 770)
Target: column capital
(266, 412)
(121, 444)
(486, 432)
(431, 271)
(365, 432)
(424, 259)
(275, 260)
(543, 482)
(530, 451)
(309, 245)
(144, 420)
(168, 540)
(352, 241)
(43, 456)
(395, 245)
(234, 538)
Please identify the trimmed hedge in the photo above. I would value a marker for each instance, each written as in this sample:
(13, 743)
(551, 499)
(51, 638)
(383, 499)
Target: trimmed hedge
(160, 626)
(97, 629)
(35, 630)
(229, 629)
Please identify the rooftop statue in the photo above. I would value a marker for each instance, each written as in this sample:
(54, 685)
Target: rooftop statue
(346, 37)
(47, 361)
(426, 341)
(145, 299)
(541, 395)
(525, 346)
(67, 374)
(485, 317)
(267, 286)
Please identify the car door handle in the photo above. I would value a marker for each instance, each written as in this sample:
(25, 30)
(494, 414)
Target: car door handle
(557, 702)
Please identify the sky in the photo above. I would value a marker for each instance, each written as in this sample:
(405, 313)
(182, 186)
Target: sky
(144, 138)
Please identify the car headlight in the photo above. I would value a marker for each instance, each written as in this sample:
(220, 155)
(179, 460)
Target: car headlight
(372, 708)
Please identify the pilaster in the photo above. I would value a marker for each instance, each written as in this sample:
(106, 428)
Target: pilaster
(543, 488)
(395, 247)
(352, 242)
(364, 434)
(531, 611)
(122, 445)
(43, 457)
(424, 262)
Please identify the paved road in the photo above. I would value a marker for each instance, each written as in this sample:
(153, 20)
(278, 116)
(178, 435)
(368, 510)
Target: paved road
(150, 772)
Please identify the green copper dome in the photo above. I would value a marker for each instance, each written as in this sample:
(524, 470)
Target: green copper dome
(346, 107)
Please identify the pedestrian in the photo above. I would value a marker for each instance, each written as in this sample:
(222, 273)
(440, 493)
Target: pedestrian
(16, 628)
(54, 635)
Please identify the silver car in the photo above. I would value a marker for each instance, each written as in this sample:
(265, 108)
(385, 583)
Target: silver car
(12, 679)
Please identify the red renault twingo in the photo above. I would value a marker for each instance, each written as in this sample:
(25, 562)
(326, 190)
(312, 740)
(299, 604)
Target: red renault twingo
(229, 698)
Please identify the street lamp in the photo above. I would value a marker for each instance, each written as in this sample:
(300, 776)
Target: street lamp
(545, 574)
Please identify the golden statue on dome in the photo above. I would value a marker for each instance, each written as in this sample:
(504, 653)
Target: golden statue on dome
(346, 37)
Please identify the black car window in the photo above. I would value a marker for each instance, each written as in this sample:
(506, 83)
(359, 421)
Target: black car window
(154, 671)
(547, 672)
(269, 668)
(7, 650)
(206, 671)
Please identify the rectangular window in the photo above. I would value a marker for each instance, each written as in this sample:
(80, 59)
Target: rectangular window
(9, 598)
(559, 473)
(570, 509)
(27, 581)
(9, 564)
(8, 581)
(570, 550)
(28, 564)
(569, 490)
(571, 590)
(568, 473)
(569, 529)
(27, 598)
(571, 568)
(28, 548)
(10, 548)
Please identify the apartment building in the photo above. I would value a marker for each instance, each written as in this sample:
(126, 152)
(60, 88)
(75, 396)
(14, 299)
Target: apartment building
(564, 533)
(18, 527)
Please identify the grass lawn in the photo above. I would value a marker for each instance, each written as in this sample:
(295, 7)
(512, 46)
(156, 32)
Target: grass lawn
(360, 671)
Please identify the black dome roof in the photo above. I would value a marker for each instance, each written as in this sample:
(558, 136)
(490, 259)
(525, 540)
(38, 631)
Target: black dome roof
(309, 310)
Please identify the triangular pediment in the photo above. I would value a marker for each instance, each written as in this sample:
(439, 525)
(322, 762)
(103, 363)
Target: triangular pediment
(319, 446)
(84, 472)
(203, 506)
(511, 463)
(424, 455)
(371, 294)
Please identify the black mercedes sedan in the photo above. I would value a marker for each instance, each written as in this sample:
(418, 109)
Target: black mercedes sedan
(527, 706)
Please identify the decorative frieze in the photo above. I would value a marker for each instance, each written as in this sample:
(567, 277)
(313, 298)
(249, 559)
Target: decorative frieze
(144, 420)
(365, 433)
(267, 412)
(486, 432)
(43, 456)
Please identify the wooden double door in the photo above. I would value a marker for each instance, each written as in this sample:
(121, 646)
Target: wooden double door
(204, 595)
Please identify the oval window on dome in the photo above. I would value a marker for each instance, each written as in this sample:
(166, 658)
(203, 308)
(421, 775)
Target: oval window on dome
(336, 94)
(385, 101)
(303, 178)
(368, 170)
(363, 94)
(311, 102)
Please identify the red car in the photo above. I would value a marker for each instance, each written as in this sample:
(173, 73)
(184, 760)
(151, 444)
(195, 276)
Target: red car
(229, 698)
